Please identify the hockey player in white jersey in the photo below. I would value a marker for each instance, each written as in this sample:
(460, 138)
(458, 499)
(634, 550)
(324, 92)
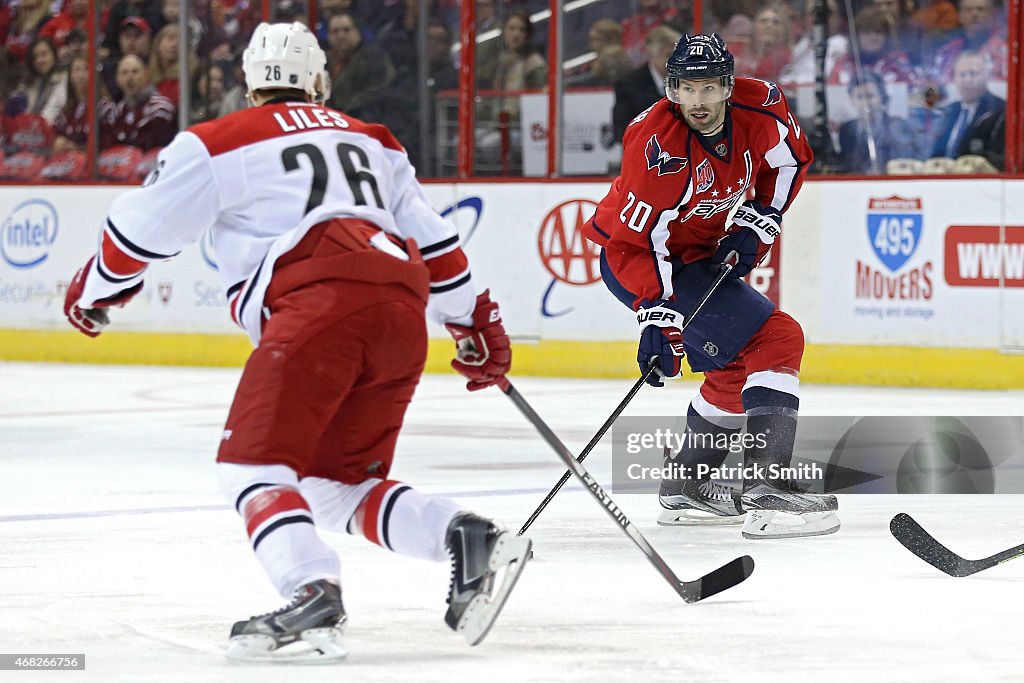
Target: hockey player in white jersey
(330, 256)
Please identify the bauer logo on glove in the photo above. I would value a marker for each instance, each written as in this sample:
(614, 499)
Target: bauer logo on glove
(752, 234)
(661, 338)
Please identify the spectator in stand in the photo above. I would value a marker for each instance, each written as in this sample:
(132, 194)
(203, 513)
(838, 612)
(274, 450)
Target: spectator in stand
(361, 72)
(516, 64)
(515, 67)
(983, 32)
(937, 19)
(143, 117)
(27, 19)
(71, 17)
(613, 64)
(926, 115)
(235, 98)
(909, 36)
(876, 42)
(164, 62)
(135, 38)
(644, 86)
(801, 67)
(737, 30)
(987, 138)
(170, 13)
(769, 48)
(74, 46)
(635, 28)
(46, 85)
(970, 76)
(122, 10)
(404, 110)
(870, 140)
(207, 94)
(8, 81)
(717, 15)
(487, 16)
(399, 38)
(604, 33)
(72, 123)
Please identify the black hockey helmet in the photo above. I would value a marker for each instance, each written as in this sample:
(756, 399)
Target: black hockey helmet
(697, 57)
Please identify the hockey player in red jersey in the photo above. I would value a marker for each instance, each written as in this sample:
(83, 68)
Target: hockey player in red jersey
(330, 256)
(707, 174)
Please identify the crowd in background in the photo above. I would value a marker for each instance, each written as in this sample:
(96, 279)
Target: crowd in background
(924, 81)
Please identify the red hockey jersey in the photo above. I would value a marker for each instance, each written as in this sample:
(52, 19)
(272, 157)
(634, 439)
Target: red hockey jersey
(675, 194)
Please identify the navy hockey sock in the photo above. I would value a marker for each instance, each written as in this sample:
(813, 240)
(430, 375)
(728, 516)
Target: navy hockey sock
(705, 443)
(771, 425)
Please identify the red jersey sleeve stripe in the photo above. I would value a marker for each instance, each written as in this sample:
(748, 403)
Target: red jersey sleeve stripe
(447, 266)
(116, 262)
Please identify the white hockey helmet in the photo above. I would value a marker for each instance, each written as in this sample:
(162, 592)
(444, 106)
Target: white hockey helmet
(285, 56)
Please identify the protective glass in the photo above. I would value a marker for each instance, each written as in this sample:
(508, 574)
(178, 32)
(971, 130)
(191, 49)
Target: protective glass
(690, 93)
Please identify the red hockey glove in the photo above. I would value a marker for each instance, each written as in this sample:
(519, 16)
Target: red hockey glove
(482, 352)
(91, 321)
(752, 234)
(661, 336)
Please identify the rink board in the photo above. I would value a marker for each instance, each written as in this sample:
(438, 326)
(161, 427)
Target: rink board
(916, 282)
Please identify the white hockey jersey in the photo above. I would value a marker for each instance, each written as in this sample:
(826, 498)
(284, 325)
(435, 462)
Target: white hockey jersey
(258, 179)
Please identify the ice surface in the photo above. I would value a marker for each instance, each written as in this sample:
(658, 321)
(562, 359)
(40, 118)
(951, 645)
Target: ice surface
(116, 543)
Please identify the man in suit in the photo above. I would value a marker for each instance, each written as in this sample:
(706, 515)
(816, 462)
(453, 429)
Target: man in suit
(642, 87)
(868, 141)
(970, 75)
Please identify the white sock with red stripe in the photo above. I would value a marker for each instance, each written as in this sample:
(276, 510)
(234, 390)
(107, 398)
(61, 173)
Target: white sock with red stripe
(279, 523)
(400, 518)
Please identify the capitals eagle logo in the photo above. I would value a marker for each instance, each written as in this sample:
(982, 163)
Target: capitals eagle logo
(662, 160)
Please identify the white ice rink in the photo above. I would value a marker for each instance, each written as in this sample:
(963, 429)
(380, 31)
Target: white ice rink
(116, 543)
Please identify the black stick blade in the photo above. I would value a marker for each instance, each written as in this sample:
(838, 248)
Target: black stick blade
(918, 541)
(723, 578)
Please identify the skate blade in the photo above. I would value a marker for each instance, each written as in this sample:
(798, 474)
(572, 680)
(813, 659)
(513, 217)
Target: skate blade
(510, 553)
(691, 517)
(315, 646)
(777, 524)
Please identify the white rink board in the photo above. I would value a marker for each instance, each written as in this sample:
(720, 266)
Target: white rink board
(524, 243)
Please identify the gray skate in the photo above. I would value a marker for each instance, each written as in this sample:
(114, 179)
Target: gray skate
(784, 509)
(694, 503)
(309, 629)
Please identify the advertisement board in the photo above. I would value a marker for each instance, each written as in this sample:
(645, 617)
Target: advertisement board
(918, 263)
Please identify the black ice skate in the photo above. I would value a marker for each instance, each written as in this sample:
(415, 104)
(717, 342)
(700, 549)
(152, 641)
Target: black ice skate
(480, 549)
(694, 502)
(782, 508)
(309, 629)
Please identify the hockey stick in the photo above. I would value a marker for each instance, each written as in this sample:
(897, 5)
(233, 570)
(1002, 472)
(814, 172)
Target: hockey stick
(918, 541)
(722, 274)
(720, 579)
(590, 446)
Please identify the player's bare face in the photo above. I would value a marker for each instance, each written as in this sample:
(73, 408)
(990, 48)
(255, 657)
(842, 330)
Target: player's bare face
(705, 118)
(702, 103)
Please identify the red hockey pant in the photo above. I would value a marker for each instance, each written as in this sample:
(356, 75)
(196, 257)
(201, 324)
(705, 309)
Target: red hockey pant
(326, 390)
(778, 346)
